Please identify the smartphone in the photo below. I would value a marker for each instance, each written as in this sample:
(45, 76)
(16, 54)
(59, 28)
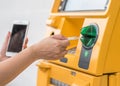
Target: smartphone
(18, 36)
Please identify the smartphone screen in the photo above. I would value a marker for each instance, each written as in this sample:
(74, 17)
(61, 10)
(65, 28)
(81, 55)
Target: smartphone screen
(17, 38)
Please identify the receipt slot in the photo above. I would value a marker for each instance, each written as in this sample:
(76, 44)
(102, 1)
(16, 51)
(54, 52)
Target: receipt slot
(92, 59)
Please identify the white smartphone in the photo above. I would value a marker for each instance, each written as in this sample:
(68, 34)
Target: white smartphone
(18, 36)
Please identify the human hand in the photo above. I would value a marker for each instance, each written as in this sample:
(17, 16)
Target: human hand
(5, 45)
(51, 48)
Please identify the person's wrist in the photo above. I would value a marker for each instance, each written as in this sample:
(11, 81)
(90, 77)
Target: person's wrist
(33, 52)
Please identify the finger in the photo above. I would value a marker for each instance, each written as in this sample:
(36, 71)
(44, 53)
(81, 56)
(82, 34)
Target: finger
(64, 43)
(26, 41)
(60, 55)
(60, 37)
(64, 53)
(5, 44)
(62, 48)
(25, 44)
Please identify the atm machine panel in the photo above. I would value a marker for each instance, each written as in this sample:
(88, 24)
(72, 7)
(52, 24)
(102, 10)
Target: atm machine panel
(74, 16)
(96, 51)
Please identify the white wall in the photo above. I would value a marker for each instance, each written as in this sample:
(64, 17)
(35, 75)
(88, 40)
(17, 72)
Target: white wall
(37, 11)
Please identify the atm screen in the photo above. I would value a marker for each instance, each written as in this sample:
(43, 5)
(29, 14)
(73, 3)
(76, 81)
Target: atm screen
(83, 5)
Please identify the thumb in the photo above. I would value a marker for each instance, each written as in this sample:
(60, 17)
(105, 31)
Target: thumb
(5, 44)
(64, 43)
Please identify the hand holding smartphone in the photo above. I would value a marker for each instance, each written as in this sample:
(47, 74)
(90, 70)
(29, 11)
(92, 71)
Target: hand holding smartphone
(18, 36)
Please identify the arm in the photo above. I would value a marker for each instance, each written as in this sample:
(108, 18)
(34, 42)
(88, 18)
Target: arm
(11, 67)
(51, 48)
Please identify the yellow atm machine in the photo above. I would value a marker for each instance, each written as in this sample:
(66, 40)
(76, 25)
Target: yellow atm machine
(94, 58)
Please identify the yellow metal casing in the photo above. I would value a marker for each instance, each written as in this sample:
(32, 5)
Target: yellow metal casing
(103, 66)
(59, 76)
(70, 23)
(65, 26)
(114, 79)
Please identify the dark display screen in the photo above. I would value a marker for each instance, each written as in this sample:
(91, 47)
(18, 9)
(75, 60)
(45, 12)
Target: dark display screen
(17, 38)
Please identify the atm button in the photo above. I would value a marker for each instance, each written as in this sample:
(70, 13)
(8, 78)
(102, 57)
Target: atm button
(64, 60)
